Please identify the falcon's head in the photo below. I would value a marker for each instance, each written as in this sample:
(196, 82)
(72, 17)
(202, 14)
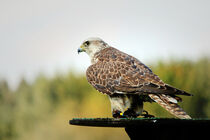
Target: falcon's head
(92, 46)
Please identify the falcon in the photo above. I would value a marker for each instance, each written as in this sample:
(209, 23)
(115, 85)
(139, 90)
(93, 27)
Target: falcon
(128, 82)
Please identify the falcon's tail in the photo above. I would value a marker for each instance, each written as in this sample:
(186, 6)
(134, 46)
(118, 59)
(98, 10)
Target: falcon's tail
(170, 104)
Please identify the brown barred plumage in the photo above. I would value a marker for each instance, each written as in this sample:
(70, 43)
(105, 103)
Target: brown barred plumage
(171, 107)
(116, 73)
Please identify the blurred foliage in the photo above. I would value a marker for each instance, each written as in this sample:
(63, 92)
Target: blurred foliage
(41, 110)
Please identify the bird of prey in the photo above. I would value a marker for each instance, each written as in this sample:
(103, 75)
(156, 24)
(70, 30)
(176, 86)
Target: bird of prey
(128, 82)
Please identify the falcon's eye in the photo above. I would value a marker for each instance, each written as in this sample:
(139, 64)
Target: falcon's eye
(86, 43)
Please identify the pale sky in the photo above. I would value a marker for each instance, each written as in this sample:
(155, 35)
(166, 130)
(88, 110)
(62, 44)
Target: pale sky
(43, 35)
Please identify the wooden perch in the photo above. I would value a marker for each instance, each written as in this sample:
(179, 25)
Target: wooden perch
(152, 128)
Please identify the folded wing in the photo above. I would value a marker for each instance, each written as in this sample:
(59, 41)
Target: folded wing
(117, 72)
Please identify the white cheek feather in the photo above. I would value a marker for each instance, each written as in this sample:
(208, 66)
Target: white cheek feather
(92, 49)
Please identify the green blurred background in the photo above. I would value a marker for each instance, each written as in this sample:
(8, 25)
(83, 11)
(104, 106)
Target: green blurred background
(41, 110)
(42, 81)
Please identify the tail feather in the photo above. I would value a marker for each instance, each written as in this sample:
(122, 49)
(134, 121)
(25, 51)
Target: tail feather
(171, 106)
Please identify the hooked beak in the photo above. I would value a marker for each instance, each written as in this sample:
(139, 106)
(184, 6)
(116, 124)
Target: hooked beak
(81, 49)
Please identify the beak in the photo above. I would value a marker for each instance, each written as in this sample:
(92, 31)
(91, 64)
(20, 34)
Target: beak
(81, 49)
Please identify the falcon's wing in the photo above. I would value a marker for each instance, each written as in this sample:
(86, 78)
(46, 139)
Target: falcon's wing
(117, 72)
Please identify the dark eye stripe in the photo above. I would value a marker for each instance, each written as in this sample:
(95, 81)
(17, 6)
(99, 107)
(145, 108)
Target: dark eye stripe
(87, 43)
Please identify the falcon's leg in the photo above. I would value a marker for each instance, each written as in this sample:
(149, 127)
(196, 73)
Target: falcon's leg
(136, 106)
(130, 113)
(131, 104)
(118, 104)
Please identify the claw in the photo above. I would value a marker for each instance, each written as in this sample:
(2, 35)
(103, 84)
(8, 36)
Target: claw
(117, 114)
(147, 115)
(130, 114)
